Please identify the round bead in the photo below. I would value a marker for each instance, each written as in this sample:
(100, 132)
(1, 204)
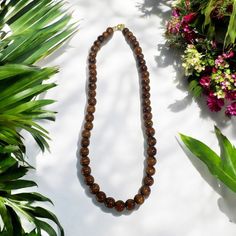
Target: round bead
(101, 196)
(151, 161)
(125, 31)
(148, 123)
(141, 62)
(86, 170)
(84, 161)
(85, 142)
(135, 44)
(92, 79)
(94, 188)
(146, 94)
(89, 180)
(147, 116)
(145, 74)
(145, 190)
(146, 102)
(92, 66)
(139, 199)
(90, 109)
(101, 38)
(147, 109)
(92, 93)
(143, 68)
(97, 43)
(84, 151)
(130, 204)
(109, 30)
(92, 101)
(129, 34)
(119, 205)
(94, 48)
(148, 180)
(92, 72)
(150, 132)
(138, 50)
(92, 60)
(86, 134)
(110, 202)
(105, 35)
(151, 141)
(140, 56)
(150, 170)
(88, 125)
(92, 86)
(89, 117)
(151, 151)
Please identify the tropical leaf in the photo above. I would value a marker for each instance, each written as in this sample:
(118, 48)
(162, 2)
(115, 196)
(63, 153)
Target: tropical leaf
(14, 207)
(222, 167)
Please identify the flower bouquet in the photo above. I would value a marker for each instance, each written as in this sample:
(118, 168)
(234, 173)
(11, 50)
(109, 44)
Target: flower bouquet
(206, 31)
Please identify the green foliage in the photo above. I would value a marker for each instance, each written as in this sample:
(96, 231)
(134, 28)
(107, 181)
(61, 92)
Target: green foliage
(195, 88)
(15, 206)
(222, 167)
(30, 30)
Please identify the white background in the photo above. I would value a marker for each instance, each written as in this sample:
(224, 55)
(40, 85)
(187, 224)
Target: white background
(185, 200)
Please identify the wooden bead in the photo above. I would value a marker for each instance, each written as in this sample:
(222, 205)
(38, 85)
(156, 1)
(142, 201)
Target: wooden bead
(148, 123)
(94, 48)
(129, 34)
(93, 55)
(150, 132)
(86, 134)
(101, 38)
(85, 142)
(151, 151)
(148, 180)
(105, 35)
(151, 141)
(125, 31)
(145, 81)
(140, 56)
(147, 116)
(92, 72)
(92, 78)
(92, 93)
(130, 204)
(86, 170)
(151, 161)
(145, 190)
(143, 68)
(139, 199)
(109, 30)
(141, 62)
(146, 87)
(110, 202)
(119, 205)
(147, 109)
(89, 180)
(138, 50)
(94, 188)
(90, 109)
(92, 60)
(92, 101)
(92, 66)
(84, 161)
(146, 94)
(89, 117)
(135, 44)
(101, 196)
(97, 43)
(145, 74)
(92, 86)
(146, 102)
(88, 125)
(84, 151)
(150, 170)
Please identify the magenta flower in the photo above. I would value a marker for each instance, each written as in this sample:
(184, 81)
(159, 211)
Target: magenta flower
(205, 81)
(231, 109)
(228, 54)
(175, 12)
(214, 103)
(189, 18)
(231, 95)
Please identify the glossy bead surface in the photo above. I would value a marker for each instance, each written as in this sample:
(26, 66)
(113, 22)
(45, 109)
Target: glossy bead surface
(94, 188)
(119, 205)
(110, 202)
(86, 170)
(84, 151)
(148, 180)
(101, 196)
(139, 199)
(151, 161)
(89, 180)
(150, 170)
(145, 190)
(130, 204)
(84, 161)
(85, 142)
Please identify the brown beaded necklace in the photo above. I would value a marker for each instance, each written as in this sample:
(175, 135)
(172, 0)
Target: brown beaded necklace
(147, 120)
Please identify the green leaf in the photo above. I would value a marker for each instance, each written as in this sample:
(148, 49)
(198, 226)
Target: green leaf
(211, 159)
(195, 88)
(17, 184)
(46, 227)
(6, 217)
(228, 153)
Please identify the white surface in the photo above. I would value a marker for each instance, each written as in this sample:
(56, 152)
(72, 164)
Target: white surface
(183, 201)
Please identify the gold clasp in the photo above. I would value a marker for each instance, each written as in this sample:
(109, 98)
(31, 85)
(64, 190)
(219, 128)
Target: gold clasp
(119, 27)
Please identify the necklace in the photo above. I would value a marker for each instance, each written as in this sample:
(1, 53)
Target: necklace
(145, 190)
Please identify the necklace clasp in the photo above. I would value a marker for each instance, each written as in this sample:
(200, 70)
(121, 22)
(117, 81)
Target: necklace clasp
(119, 27)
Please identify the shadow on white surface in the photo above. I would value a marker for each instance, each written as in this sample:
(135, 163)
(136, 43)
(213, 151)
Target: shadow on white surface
(227, 201)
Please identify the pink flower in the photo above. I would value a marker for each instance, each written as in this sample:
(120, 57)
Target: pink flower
(231, 109)
(228, 54)
(231, 95)
(214, 103)
(189, 18)
(205, 81)
(214, 70)
(175, 12)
